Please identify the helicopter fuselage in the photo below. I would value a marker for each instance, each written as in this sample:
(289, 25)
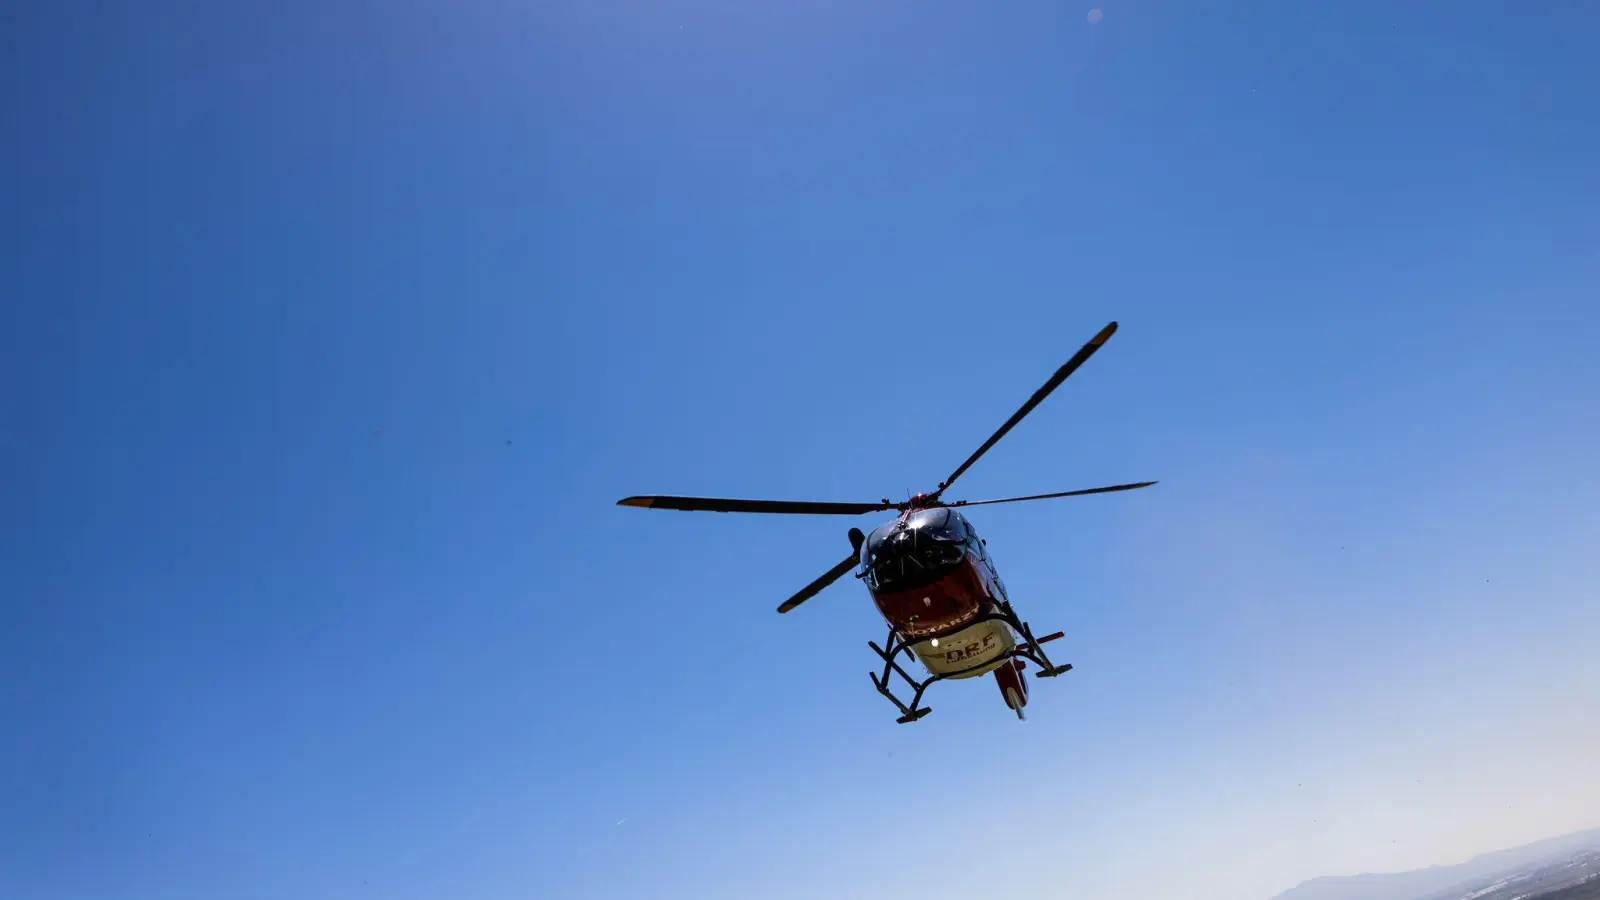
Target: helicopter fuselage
(933, 581)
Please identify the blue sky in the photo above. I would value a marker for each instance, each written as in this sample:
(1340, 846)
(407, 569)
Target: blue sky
(333, 331)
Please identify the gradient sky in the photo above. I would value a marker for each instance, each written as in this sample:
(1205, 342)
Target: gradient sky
(332, 332)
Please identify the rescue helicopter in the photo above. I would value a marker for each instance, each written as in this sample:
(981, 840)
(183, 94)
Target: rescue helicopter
(931, 576)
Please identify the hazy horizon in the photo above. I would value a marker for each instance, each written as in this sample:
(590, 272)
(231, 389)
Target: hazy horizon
(335, 331)
(1588, 829)
(1528, 870)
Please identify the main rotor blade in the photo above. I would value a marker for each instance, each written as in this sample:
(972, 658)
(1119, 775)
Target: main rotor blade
(815, 587)
(725, 505)
(1098, 490)
(1078, 359)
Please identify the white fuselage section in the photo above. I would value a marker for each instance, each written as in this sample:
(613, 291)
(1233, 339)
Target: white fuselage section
(975, 650)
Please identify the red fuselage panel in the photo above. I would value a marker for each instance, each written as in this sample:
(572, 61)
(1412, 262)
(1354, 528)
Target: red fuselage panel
(956, 596)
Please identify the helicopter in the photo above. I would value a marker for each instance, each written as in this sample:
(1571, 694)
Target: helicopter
(931, 576)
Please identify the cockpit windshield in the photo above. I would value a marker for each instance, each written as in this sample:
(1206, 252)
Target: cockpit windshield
(908, 553)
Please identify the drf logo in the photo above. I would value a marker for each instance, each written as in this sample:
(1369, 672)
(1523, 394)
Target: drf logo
(973, 648)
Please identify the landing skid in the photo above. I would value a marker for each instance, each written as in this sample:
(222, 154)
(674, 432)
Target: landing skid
(1030, 650)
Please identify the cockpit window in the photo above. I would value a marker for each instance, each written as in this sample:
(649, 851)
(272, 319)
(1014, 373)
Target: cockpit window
(908, 553)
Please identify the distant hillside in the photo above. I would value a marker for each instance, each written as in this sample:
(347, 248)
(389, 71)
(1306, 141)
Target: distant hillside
(1425, 884)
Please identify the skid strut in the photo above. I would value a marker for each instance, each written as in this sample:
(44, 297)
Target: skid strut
(1029, 648)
